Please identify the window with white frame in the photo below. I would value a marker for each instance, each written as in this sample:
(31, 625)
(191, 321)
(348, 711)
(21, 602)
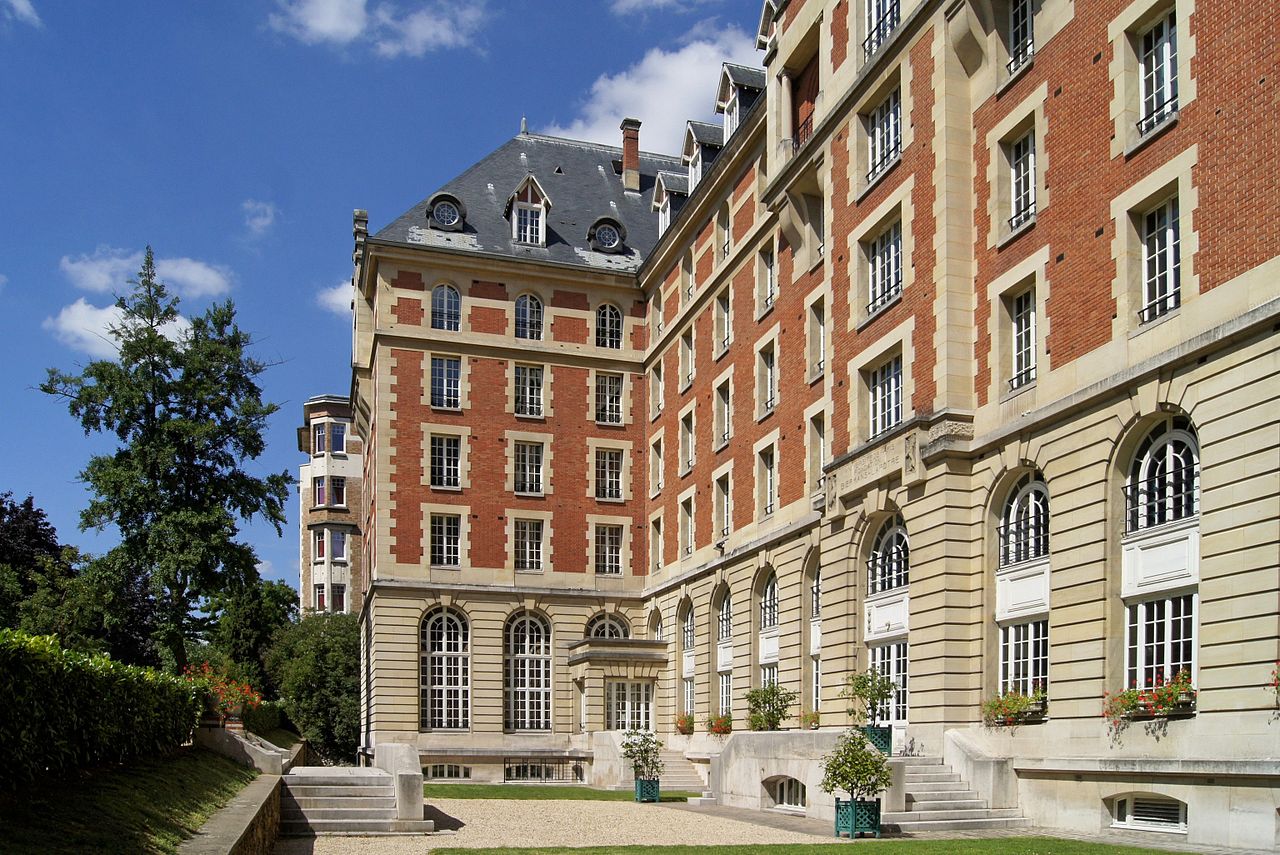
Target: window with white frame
(1024, 657)
(769, 603)
(723, 413)
(687, 630)
(724, 507)
(528, 317)
(664, 214)
(527, 672)
(338, 435)
(889, 565)
(446, 534)
(766, 379)
(724, 231)
(317, 492)
(766, 280)
(656, 631)
(655, 466)
(768, 675)
(884, 135)
(608, 473)
(1158, 70)
(655, 543)
(608, 398)
(688, 695)
(655, 307)
(815, 595)
(815, 667)
(608, 549)
(629, 706)
(884, 267)
(686, 526)
(1022, 316)
(817, 451)
(338, 491)
(885, 383)
(688, 281)
(1024, 526)
(890, 660)
(789, 792)
(882, 17)
(607, 626)
(528, 465)
(1161, 261)
(446, 671)
(695, 167)
(1161, 641)
(1022, 43)
(528, 544)
(528, 390)
(726, 692)
(731, 114)
(446, 308)
(445, 454)
(1149, 813)
(688, 449)
(687, 366)
(817, 338)
(318, 598)
(446, 372)
(1022, 179)
(723, 321)
(1164, 481)
(338, 542)
(609, 327)
(339, 603)
(656, 389)
(319, 439)
(724, 619)
(767, 479)
(528, 226)
(318, 541)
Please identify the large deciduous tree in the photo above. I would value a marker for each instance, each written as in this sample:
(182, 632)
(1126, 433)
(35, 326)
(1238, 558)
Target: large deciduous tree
(182, 399)
(245, 621)
(316, 665)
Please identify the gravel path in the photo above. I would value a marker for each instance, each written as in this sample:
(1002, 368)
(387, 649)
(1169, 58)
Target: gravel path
(510, 822)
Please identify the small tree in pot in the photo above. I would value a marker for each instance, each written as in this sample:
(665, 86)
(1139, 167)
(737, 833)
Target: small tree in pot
(856, 768)
(644, 750)
(871, 691)
(768, 706)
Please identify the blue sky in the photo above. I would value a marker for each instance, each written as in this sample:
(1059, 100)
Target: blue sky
(236, 138)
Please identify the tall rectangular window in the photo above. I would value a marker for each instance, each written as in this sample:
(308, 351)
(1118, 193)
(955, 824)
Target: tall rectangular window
(339, 597)
(656, 389)
(338, 432)
(655, 544)
(528, 461)
(726, 692)
(608, 473)
(1158, 58)
(655, 466)
(686, 526)
(528, 224)
(338, 489)
(318, 545)
(767, 482)
(1021, 34)
(884, 135)
(319, 597)
(817, 337)
(768, 675)
(817, 451)
(815, 667)
(609, 550)
(884, 267)
(1161, 641)
(724, 321)
(339, 539)
(317, 492)
(445, 540)
(886, 396)
(529, 390)
(319, 437)
(1024, 657)
(686, 358)
(688, 282)
(724, 507)
(724, 232)
(767, 280)
(766, 379)
(688, 450)
(445, 374)
(1022, 179)
(609, 398)
(723, 414)
(1022, 311)
(528, 544)
(445, 452)
(688, 695)
(1162, 261)
(890, 660)
(628, 706)
(882, 18)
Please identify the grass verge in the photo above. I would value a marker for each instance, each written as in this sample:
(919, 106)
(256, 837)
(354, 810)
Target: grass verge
(993, 846)
(146, 807)
(541, 792)
(281, 738)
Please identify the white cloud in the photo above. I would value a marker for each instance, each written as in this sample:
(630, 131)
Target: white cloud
(85, 327)
(20, 10)
(664, 89)
(336, 299)
(259, 217)
(392, 30)
(628, 7)
(109, 270)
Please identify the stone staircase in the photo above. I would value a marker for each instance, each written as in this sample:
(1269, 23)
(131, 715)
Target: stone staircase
(679, 774)
(938, 800)
(342, 800)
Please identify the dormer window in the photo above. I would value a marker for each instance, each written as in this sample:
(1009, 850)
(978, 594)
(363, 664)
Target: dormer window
(664, 215)
(528, 224)
(695, 167)
(446, 212)
(527, 209)
(731, 115)
(607, 235)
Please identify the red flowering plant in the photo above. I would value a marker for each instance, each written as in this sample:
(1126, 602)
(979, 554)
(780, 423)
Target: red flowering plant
(224, 695)
(1159, 698)
(1275, 683)
(720, 725)
(684, 723)
(1013, 707)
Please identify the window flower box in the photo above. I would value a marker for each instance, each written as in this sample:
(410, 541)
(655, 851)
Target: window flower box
(1172, 699)
(1014, 708)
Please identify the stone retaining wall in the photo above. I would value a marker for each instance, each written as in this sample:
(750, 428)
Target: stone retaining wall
(248, 825)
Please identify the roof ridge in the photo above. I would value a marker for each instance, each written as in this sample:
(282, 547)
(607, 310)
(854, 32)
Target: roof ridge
(590, 144)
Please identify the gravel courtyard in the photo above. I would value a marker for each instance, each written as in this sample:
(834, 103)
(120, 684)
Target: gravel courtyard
(506, 822)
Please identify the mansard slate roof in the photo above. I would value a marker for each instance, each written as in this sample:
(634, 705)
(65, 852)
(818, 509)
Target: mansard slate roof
(706, 133)
(582, 184)
(745, 75)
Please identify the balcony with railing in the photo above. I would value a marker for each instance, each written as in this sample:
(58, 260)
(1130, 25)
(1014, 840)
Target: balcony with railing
(881, 29)
(804, 131)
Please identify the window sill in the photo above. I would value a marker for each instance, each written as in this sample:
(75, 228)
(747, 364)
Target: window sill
(445, 409)
(816, 376)
(446, 489)
(527, 572)
(762, 416)
(1017, 75)
(1158, 131)
(1013, 234)
(1155, 322)
(721, 445)
(880, 310)
(527, 495)
(720, 354)
(1013, 393)
(686, 385)
(608, 424)
(454, 567)
(762, 313)
(531, 417)
(879, 178)
(612, 500)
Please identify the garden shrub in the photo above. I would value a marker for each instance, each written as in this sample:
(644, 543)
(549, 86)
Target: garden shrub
(66, 709)
(316, 664)
(268, 716)
(768, 706)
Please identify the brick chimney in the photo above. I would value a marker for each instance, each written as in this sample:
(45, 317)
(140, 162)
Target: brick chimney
(631, 155)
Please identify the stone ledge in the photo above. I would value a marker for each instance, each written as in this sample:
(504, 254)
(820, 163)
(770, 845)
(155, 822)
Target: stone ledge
(1152, 767)
(247, 825)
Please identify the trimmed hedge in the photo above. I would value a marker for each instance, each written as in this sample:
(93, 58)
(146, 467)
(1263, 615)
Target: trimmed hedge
(65, 710)
(268, 716)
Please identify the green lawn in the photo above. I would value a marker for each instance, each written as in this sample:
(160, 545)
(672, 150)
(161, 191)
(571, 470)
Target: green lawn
(281, 738)
(541, 791)
(994, 846)
(148, 807)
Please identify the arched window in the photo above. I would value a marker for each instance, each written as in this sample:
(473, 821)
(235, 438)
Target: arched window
(890, 562)
(1164, 480)
(1024, 525)
(815, 595)
(608, 327)
(526, 672)
(446, 308)
(528, 317)
(655, 627)
(686, 629)
(446, 670)
(724, 620)
(769, 603)
(607, 626)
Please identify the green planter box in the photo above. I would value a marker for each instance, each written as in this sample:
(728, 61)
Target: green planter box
(857, 817)
(647, 791)
(880, 737)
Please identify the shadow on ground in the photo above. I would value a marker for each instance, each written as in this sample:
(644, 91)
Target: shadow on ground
(443, 821)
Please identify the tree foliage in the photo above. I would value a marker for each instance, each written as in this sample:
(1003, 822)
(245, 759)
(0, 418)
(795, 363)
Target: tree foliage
(245, 620)
(768, 705)
(183, 401)
(855, 767)
(315, 663)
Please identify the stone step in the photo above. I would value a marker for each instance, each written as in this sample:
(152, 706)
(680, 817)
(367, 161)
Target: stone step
(947, 804)
(311, 828)
(320, 780)
(308, 802)
(919, 761)
(938, 787)
(911, 816)
(957, 824)
(311, 814)
(929, 777)
(325, 791)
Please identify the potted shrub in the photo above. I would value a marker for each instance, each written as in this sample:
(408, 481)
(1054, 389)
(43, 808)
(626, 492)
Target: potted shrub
(768, 706)
(720, 725)
(1012, 708)
(855, 767)
(810, 720)
(871, 691)
(644, 750)
(684, 724)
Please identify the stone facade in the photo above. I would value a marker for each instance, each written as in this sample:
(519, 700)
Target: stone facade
(331, 570)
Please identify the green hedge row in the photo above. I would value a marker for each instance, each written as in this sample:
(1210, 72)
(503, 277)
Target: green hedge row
(64, 710)
(267, 717)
